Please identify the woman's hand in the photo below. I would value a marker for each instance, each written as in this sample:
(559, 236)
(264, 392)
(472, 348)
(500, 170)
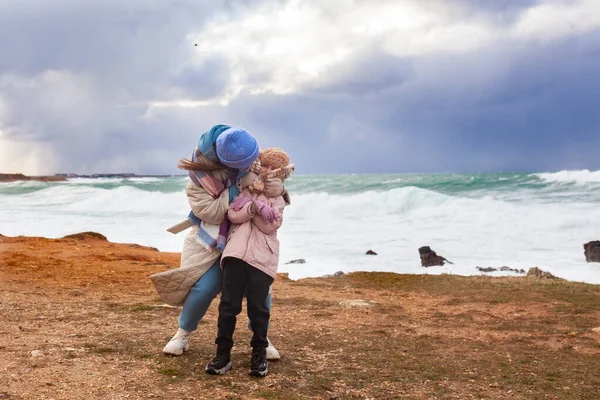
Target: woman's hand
(274, 187)
(247, 180)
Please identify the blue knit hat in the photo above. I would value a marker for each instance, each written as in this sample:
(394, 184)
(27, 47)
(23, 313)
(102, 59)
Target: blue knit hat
(236, 148)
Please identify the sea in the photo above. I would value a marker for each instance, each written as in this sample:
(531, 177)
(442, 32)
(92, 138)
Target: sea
(519, 220)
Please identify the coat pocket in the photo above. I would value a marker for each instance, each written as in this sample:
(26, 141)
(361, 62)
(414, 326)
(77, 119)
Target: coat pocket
(270, 245)
(230, 235)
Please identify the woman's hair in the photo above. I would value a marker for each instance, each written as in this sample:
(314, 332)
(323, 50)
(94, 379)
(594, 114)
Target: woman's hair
(201, 164)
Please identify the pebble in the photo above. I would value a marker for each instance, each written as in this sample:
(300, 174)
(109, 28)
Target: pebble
(357, 303)
(36, 353)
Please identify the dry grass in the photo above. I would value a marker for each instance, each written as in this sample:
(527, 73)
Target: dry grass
(89, 307)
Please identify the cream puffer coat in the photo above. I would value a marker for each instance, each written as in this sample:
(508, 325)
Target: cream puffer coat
(173, 286)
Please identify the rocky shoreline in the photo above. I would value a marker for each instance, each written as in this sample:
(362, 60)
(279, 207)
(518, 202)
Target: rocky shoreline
(429, 258)
(65, 177)
(21, 177)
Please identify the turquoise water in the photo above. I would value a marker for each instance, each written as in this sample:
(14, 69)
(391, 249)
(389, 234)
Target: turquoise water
(519, 220)
(473, 185)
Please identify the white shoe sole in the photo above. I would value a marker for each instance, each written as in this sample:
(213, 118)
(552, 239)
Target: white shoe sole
(221, 371)
(260, 374)
(176, 352)
(272, 353)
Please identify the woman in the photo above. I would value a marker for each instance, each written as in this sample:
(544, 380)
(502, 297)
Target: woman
(223, 155)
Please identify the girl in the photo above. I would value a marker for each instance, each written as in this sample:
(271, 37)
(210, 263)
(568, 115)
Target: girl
(249, 263)
(221, 154)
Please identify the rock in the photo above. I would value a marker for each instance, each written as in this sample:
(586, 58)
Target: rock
(370, 253)
(592, 251)
(518, 271)
(339, 273)
(21, 177)
(36, 353)
(283, 275)
(357, 304)
(86, 236)
(505, 269)
(597, 329)
(538, 273)
(429, 258)
(136, 246)
(298, 261)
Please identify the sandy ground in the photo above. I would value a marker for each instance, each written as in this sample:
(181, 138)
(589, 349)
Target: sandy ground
(79, 319)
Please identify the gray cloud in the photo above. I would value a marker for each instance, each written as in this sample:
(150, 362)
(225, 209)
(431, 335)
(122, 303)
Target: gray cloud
(77, 79)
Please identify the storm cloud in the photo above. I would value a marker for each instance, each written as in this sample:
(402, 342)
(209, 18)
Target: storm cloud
(345, 86)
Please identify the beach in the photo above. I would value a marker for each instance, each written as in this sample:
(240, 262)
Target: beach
(434, 225)
(82, 320)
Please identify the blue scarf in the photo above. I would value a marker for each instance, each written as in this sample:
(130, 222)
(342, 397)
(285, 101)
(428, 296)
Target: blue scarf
(211, 236)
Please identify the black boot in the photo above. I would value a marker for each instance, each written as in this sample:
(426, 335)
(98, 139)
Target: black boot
(221, 363)
(258, 363)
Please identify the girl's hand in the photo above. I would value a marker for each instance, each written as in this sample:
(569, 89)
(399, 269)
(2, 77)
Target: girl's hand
(274, 187)
(265, 211)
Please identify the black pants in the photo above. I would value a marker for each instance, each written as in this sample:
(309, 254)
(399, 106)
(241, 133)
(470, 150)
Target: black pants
(241, 278)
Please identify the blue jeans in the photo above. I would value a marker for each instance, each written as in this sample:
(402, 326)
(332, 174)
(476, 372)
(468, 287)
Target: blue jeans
(202, 294)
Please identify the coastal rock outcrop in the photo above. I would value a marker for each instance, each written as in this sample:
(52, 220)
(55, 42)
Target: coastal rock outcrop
(518, 271)
(21, 177)
(503, 269)
(86, 236)
(538, 273)
(298, 261)
(429, 258)
(339, 273)
(592, 251)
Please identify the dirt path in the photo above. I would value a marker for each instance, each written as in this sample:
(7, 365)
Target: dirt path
(79, 319)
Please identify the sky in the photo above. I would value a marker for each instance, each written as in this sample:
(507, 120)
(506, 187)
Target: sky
(345, 86)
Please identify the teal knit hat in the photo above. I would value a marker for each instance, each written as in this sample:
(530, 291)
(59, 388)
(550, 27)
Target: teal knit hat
(207, 141)
(236, 148)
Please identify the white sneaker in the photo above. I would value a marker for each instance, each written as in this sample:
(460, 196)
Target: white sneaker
(272, 353)
(178, 343)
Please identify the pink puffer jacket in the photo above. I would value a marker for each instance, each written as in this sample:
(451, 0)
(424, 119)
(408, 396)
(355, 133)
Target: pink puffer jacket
(252, 238)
